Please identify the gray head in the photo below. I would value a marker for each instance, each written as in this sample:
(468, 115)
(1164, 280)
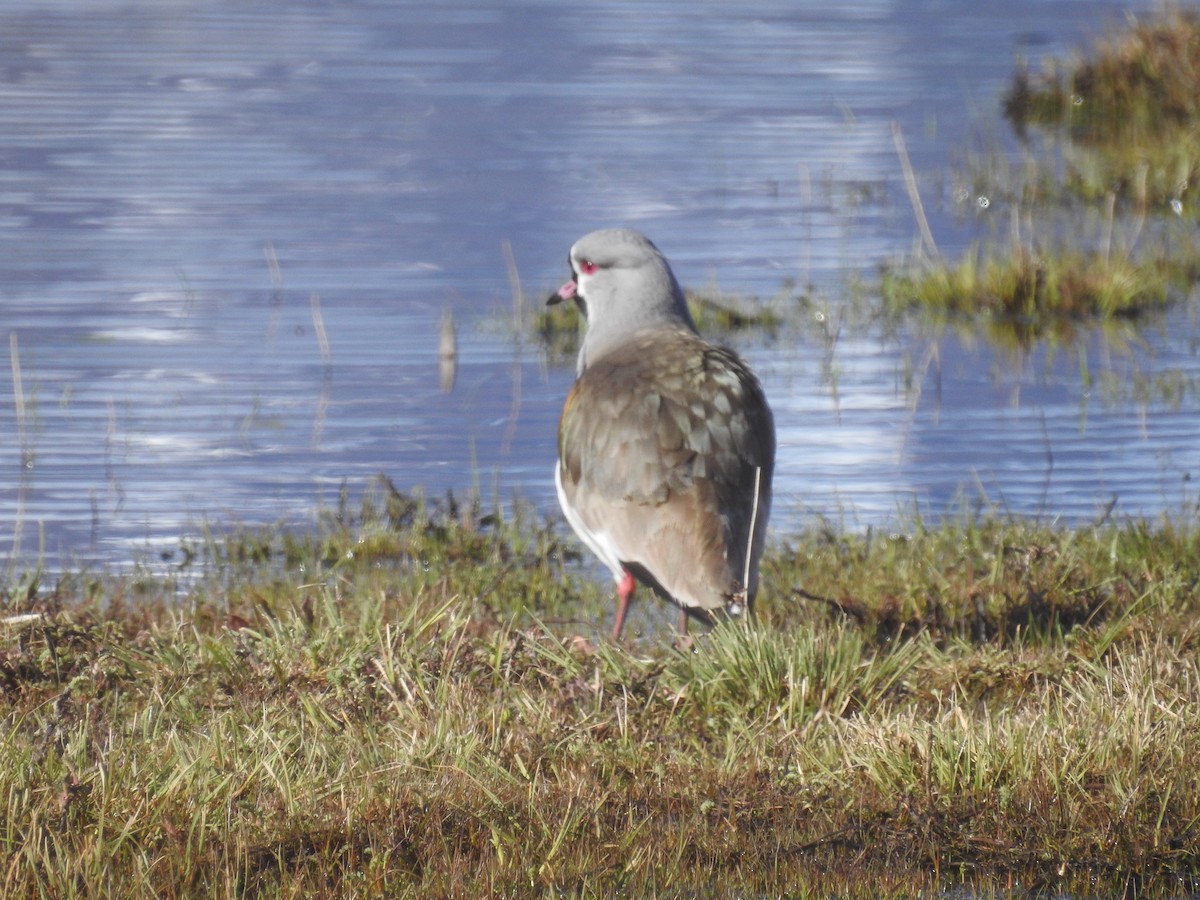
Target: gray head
(622, 284)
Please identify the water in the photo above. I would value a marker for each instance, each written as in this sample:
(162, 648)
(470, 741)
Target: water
(229, 232)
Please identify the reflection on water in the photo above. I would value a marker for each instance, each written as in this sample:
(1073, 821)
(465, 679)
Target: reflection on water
(251, 255)
(941, 422)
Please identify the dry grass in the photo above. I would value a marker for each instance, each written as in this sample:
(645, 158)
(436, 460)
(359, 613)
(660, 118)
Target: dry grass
(396, 706)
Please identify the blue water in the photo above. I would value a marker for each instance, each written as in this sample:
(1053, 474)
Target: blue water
(229, 233)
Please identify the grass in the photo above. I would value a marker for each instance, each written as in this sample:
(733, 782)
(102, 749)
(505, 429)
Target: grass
(1133, 106)
(1100, 223)
(1027, 286)
(1099, 212)
(396, 705)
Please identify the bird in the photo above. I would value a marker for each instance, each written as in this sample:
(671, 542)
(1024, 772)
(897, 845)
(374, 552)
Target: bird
(666, 442)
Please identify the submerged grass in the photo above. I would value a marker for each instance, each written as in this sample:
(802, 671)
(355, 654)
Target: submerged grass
(397, 705)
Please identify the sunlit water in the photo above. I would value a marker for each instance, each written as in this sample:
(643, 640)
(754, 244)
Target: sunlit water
(230, 232)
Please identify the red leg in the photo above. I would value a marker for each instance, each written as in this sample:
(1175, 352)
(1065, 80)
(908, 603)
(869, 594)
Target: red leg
(624, 591)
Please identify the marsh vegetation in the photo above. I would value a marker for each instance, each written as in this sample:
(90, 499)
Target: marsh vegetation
(1098, 207)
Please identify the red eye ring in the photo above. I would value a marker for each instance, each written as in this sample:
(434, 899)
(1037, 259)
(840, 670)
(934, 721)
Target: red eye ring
(587, 267)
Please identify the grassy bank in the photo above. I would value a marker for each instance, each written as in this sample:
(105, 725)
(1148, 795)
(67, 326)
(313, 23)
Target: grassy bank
(396, 705)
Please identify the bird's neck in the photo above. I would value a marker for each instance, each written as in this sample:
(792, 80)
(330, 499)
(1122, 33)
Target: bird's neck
(601, 340)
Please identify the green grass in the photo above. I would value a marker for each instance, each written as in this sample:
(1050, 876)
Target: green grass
(396, 704)
(1032, 288)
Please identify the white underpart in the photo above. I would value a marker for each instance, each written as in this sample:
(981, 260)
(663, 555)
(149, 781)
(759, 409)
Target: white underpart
(598, 542)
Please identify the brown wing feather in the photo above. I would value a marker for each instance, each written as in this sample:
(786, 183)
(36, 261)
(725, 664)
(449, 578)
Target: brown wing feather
(659, 444)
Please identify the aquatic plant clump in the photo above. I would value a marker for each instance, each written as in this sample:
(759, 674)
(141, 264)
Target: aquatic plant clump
(1091, 211)
(1133, 103)
(1028, 287)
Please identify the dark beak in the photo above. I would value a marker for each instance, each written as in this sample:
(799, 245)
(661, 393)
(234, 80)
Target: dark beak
(566, 292)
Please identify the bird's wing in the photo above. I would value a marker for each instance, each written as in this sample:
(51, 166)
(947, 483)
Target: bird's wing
(660, 441)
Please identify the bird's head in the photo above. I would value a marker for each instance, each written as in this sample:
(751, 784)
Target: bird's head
(622, 284)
